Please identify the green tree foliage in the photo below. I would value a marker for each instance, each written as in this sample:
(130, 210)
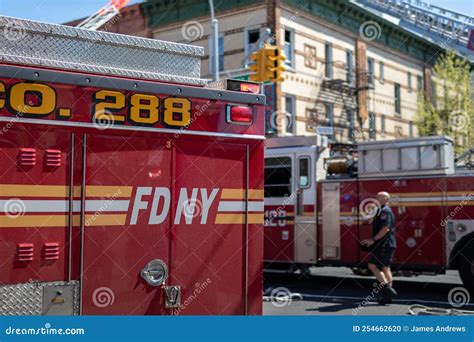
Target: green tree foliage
(449, 111)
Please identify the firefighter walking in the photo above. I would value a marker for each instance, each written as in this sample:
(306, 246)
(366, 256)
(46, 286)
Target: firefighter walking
(382, 246)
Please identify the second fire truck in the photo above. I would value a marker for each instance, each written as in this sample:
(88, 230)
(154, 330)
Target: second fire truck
(319, 203)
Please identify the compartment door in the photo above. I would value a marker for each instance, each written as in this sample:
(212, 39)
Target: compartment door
(125, 224)
(209, 254)
(331, 239)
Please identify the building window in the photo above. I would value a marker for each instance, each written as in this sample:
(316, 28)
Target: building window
(350, 66)
(382, 124)
(370, 70)
(278, 175)
(398, 100)
(329, 120)
(289, 47)
(434, 94)
(221, 55)
(381, 72)
(419, 83)
(372, 126)
(409, 81)
(411, 128)
(351, 121)
(251, 38)
(328, 59)
(290, 104)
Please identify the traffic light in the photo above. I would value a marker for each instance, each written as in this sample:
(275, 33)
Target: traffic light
(274, 63)
(258, 66)
(268, 64)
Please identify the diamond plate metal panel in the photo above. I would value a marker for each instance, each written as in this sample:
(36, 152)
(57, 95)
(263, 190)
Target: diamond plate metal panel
(34, 43)
(27, 299)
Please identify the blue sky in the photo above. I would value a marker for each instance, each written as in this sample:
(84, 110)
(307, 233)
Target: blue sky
(59, 11)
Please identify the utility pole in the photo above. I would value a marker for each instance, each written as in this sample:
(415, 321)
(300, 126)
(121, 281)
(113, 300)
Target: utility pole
(215, 43)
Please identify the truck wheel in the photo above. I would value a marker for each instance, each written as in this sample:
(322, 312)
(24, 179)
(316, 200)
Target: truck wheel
(466, 266)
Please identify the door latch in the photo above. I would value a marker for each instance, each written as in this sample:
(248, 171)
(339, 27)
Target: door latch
(172, 296)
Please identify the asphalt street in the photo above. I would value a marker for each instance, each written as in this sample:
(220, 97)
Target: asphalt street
(337, 291)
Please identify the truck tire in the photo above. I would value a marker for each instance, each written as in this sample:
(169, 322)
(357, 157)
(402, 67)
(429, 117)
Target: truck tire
(466, 266)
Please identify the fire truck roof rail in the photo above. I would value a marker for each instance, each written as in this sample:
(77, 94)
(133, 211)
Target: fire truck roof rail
(294, 141)
(432, 155)
(70, 48)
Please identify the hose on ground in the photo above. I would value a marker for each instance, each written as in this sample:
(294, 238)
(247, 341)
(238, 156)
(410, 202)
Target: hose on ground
(422, 310)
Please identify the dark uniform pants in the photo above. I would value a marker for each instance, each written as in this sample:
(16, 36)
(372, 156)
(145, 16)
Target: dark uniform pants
(381, 256)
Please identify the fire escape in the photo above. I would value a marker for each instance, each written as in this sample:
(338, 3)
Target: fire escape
(343, 89)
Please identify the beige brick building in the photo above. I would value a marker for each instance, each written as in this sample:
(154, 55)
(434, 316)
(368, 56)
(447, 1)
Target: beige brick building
(346, 67)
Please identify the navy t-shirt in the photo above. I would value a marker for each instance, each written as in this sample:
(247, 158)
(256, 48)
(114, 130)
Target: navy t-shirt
(383, 218)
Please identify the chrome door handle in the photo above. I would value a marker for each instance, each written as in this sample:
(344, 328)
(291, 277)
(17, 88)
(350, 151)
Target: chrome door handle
(155, 272)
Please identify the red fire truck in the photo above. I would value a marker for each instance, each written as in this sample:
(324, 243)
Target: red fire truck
(319, 202)
(127, 184)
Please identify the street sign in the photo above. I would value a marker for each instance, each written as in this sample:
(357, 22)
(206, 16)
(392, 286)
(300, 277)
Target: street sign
(324, 130)
(241, 77)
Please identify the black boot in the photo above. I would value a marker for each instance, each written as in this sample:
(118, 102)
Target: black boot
(392, 291)
(386, 295)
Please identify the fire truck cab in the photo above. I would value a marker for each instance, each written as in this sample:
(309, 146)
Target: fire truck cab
(293, 165)
(128, 184)
(432, 200)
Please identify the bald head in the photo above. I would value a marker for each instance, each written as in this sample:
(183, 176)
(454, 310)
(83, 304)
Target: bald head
(383, 197)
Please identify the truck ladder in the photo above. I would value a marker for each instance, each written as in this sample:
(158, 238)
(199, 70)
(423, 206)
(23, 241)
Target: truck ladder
(441, 26)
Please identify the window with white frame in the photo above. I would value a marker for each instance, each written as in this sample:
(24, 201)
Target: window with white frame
(381, 72)
(371, 71)
(290, 111)
(221, 54)
(289, 47)
(328, 71)
(350, 66)
(251, 37)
